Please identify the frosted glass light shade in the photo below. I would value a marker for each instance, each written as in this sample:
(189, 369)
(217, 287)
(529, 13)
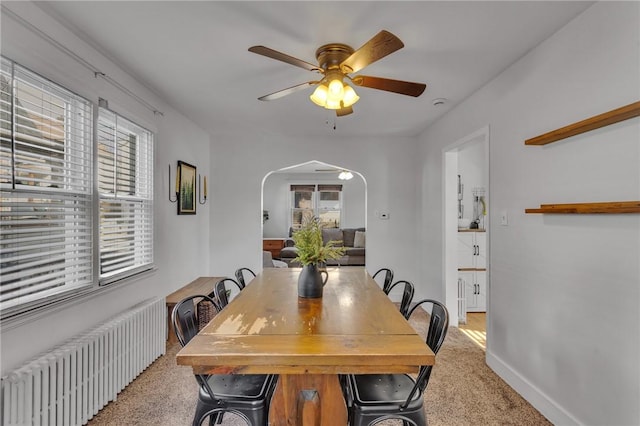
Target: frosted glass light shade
(319, 96)
(345, 175)
(350, 96)
(336, 89)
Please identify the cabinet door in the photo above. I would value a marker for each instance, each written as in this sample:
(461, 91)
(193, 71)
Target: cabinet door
(467, 280)
(480, 249)
(466, 250)
(480, 280)
(475, 289)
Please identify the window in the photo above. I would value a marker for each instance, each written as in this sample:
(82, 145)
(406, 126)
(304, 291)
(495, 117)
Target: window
(302, 204)
(125, 186)
(48, 220)
(329, 205)
(325, 203)
(46, 177)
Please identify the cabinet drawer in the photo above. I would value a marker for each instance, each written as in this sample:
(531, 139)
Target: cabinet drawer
(274, 246)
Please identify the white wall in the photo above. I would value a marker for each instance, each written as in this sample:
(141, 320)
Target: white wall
(181, 243)
(387, 165)
(564, 300)
(277, 194)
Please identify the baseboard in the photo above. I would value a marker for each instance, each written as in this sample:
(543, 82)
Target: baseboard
(540, 401)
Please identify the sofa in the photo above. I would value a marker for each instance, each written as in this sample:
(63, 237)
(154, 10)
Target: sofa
(353, 240)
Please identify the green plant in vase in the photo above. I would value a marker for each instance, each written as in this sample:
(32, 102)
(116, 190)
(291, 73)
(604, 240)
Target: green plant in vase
(313, 253)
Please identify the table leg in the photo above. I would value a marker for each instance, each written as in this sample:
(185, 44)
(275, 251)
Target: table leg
(308, 400)
(171, 335)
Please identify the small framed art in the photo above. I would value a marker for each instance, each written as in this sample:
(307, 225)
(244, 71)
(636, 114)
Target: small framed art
(186, 177)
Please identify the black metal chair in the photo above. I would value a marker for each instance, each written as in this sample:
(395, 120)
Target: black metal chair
(407, 296)
(388, 278)
(212, 414)
(240, 272)
(375, 397)
(247, 394)
(220, 291)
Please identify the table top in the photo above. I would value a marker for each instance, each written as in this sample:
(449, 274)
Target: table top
(267, 328)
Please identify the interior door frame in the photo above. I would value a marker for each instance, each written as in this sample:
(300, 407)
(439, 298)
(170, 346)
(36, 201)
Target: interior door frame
(450, 220)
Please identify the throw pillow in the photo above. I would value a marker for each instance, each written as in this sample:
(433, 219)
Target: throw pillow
(348, 234)
(359, 240)
(332, 234)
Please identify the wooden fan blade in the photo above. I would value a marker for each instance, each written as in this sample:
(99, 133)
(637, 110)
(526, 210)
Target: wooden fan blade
(344, 111)
(279, 56)
(377, 48)
(287, 91)
(402, 87)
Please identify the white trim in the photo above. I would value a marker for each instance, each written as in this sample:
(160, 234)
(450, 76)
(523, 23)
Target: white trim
(534, 396)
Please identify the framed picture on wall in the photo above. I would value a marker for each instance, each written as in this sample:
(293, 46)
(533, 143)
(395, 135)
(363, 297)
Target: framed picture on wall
(186, 188)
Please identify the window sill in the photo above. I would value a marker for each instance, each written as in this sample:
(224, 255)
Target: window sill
(15, 319)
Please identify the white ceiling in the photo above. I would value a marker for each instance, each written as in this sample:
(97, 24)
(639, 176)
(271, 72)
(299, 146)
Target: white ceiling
(194, 55)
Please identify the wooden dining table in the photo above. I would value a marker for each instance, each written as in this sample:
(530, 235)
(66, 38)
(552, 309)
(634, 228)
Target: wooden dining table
(267, 328)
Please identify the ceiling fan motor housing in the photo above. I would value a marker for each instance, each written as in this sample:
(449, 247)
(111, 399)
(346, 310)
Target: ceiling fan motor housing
(330, 56)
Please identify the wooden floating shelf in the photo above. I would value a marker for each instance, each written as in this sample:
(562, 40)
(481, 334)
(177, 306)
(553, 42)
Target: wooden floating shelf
(614, 207)
(592, 123)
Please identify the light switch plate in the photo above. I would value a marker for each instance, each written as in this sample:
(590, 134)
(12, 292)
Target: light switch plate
(504, 218)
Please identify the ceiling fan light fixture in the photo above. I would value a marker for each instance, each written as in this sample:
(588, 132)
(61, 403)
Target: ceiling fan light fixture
(336, 89)
(319, 96)
(335, 95)
(332, 103)
(345, 175)
(350, 96)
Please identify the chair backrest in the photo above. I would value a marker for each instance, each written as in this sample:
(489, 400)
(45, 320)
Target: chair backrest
(438, 327)
(185, 325)
(240, 276)
(388, 278)
(407, 296)
(185, 319)
(220, 290)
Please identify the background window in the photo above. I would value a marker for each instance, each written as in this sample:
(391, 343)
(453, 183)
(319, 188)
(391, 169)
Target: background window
(330, 205)
(325, 203)
(302, 204)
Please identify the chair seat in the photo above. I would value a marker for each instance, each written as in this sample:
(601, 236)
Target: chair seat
(237, 386)
(390, 388)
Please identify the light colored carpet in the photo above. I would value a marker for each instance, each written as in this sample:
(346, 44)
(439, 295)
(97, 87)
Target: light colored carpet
(462, 391)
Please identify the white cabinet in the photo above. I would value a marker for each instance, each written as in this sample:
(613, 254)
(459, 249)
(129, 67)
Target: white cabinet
(472, 250)
(472, 274)
(474, 284)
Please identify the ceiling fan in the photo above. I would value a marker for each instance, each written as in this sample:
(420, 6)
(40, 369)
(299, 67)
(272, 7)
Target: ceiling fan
(335, 62)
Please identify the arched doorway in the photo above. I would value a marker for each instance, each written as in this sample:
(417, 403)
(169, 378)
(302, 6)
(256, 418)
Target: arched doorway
(345, 209)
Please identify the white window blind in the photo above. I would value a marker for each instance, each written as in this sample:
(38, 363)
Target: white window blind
(125, 185)
(46, 170)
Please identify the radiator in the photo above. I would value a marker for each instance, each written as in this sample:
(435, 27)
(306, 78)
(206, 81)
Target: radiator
(71, 383)
(462, 302)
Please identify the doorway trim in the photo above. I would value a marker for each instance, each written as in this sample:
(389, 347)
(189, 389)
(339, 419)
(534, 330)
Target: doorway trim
(450, 221)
